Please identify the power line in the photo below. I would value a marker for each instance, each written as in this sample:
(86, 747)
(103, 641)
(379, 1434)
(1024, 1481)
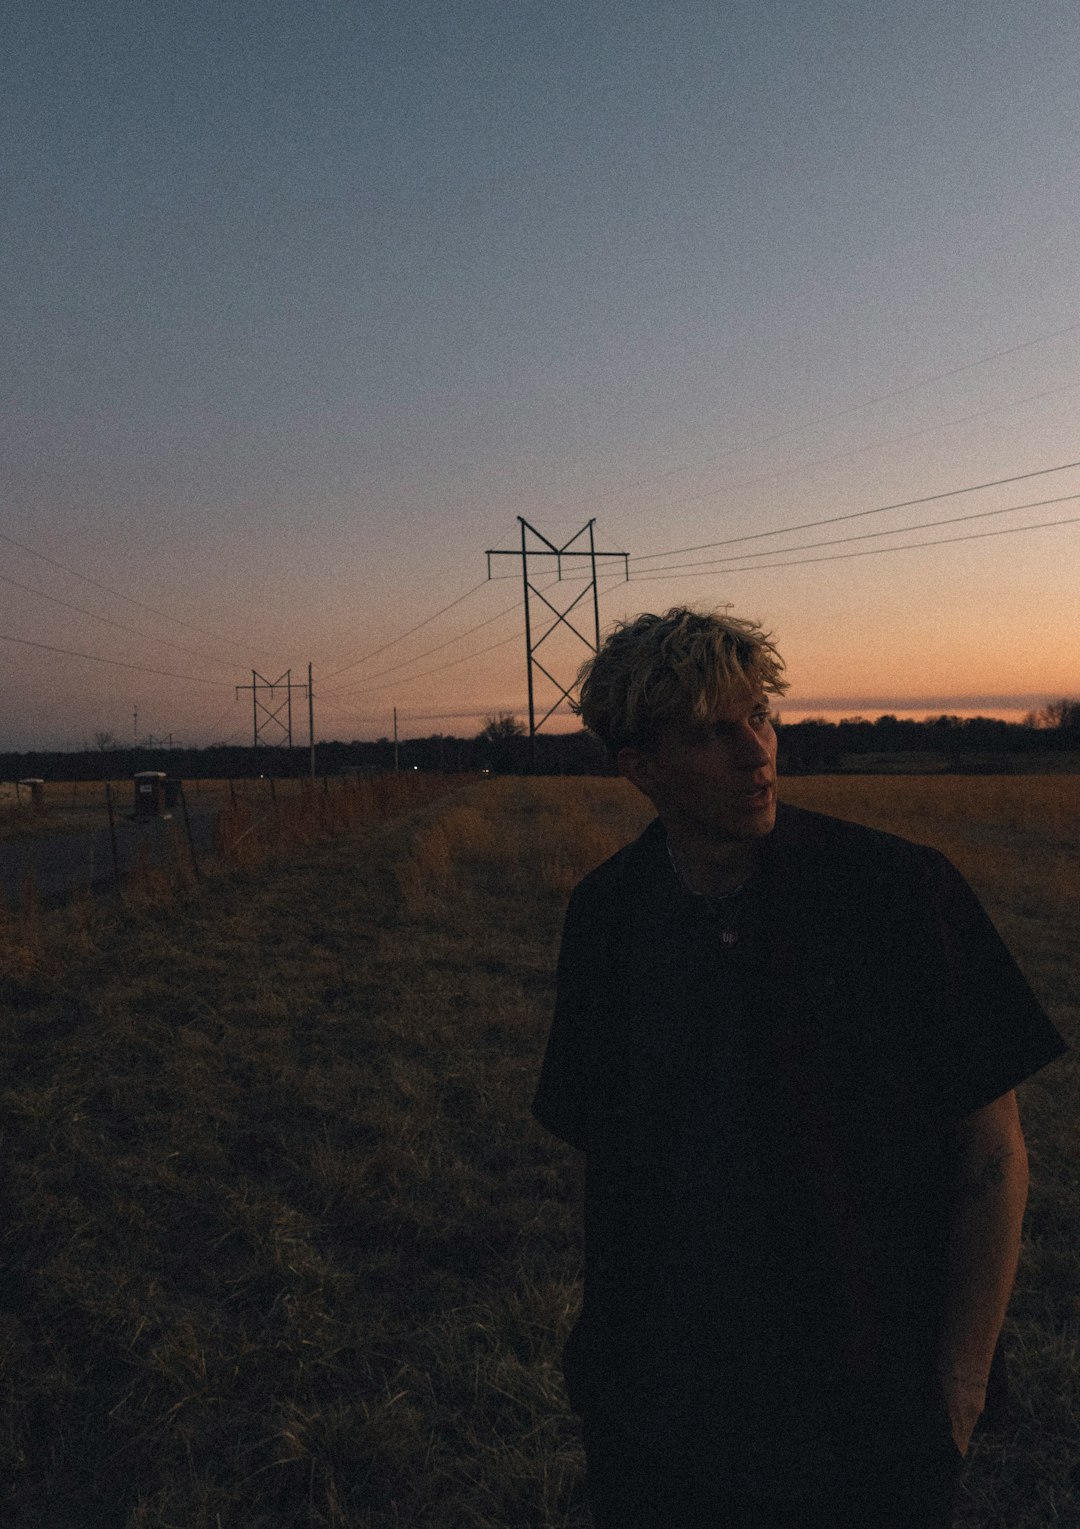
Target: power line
(405, 662)
(842, 456)
(440, 667)
(465, 659)
(202, 725)
(839, 541)
(831, 520)
(649, 577)
(118, 594)
(196, 679)
(828, 419)
(394, 640)
(846, 455)
(506, 611)
(108, 621)
(346, 711)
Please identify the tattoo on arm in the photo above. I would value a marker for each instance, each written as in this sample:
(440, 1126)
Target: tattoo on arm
(990, 1177)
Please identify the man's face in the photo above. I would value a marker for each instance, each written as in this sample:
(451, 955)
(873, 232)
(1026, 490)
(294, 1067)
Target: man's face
(716, 783)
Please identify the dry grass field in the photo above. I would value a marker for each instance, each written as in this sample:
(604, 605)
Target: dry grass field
(282, 1246)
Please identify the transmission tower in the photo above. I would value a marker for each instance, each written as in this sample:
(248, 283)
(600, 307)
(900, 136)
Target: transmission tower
(267, 714)
(548, 550)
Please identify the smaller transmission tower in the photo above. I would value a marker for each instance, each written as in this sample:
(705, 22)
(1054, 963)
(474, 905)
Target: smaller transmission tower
(267, 714)
(547, 551)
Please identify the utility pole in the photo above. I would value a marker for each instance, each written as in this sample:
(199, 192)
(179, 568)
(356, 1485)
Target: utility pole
(135, 725)
(311, 718)
(395, 742)
(271, 713)
(550, 550)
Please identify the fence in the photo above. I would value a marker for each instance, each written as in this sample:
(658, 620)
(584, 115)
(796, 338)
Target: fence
(50, 854)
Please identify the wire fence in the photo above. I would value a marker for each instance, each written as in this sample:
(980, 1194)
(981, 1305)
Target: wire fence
(53, 852)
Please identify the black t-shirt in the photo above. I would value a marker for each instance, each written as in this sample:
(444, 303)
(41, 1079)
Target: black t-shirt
(766, 1120)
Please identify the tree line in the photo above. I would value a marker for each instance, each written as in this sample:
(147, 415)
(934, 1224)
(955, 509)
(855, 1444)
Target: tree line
(503, 747)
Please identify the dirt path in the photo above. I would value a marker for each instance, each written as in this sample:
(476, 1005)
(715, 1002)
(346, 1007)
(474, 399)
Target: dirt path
(61, 862)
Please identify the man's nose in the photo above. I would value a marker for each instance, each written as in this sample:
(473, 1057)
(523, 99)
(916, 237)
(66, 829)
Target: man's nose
(755, 749)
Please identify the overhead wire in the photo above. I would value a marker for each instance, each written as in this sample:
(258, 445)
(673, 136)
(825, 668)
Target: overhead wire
(832, 418)
(641, 558)
(97, 658)
(831, 520)
(841, 456)
(405, 662)
(366, 657)
(208, 722)
(108, 621)
(499, 615)
(514, 637)
(650, 576)
(144, 668)
(639, 575)
(438, 668)
(118, 594)
(923, 525)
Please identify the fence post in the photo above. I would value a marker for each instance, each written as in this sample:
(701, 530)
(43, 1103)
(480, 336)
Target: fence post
(112, 840)
(190, 840)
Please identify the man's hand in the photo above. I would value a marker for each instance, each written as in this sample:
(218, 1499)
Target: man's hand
(966, 1401)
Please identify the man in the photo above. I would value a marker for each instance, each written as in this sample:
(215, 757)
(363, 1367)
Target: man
(787, 1046)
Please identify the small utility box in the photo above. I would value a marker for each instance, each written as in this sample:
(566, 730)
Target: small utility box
(149, 794)
(34, 789)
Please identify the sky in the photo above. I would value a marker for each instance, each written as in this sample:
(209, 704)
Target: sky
(304, 307)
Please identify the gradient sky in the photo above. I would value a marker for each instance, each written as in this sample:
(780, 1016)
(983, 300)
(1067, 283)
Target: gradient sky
(304, 304)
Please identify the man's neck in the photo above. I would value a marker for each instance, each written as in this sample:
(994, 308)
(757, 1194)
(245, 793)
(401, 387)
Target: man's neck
(713, 869)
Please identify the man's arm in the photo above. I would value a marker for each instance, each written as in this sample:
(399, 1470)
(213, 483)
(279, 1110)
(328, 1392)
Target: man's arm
(561, 1102)
(984, 1250)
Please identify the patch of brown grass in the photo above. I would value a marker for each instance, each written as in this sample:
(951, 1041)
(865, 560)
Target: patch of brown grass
(281, 1243)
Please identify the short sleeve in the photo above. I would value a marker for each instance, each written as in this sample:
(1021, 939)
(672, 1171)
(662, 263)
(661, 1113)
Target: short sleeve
(561, 1104)
(993, 1032)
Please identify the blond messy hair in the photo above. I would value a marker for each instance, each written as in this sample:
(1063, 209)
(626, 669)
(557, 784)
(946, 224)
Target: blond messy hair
(679, 668)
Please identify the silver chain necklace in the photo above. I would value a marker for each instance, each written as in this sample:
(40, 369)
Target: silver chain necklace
(716, 896)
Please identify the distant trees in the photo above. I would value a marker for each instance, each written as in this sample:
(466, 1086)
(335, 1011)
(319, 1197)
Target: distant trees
(499, 729)
(498, 740)
(960, 743)
(503, 746)
(1062, 715)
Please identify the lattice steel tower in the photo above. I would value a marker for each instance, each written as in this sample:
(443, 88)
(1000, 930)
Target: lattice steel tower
(266, 710)
(549, 550)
